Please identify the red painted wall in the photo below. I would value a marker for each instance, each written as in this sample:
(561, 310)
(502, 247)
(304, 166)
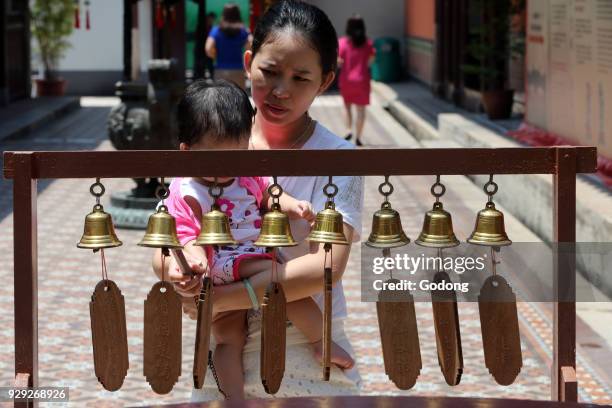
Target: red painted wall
(420, 18)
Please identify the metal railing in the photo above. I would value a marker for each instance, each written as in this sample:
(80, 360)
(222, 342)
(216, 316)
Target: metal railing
(563, 163)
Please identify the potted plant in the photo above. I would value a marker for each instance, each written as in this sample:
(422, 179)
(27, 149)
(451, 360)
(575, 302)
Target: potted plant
(51, 22)
(489, 54)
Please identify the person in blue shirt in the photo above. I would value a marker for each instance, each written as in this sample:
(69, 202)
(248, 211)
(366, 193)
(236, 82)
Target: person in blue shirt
(226, 44)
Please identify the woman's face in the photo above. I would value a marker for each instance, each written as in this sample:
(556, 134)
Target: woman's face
(285, 77)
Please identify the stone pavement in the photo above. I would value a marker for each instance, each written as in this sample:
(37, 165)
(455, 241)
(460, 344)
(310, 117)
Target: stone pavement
(68, 275)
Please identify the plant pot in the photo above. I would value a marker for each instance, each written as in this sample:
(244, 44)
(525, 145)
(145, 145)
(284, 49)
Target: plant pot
(50, 87)
(498, 103)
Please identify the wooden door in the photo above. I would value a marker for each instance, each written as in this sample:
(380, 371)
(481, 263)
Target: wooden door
(15, 50)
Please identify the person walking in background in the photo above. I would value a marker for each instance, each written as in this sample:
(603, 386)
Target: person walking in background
(355, 54)
(226, 43)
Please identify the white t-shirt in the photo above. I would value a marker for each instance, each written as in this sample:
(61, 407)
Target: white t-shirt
(349, 202)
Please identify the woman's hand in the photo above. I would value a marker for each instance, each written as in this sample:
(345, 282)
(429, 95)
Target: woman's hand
(301, 277)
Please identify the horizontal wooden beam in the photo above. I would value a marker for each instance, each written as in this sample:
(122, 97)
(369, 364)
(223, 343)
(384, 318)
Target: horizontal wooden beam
(173, 163)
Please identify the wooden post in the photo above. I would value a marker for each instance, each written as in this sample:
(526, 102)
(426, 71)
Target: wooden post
(127, 40)
(4, 91)
(200, 41)
(26, 271)
(564, 386)
(177, 40)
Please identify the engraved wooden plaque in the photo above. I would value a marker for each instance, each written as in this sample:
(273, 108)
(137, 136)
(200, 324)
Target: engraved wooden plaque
(202, 344)
(109, 335)
(162, 337)
(399, 337)
(327, 324)
(273, 337)
(500, 330)
(448, 335)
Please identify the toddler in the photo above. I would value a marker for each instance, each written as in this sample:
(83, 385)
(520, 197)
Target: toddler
(220, 116)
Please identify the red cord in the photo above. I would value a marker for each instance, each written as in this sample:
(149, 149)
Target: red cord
(77, 17)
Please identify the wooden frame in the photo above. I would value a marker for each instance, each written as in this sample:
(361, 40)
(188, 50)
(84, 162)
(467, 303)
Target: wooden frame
(25, 168)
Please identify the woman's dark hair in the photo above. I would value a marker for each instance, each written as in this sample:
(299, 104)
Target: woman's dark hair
(231, 21)
(356, 31)
(219, 110)
(304, 18)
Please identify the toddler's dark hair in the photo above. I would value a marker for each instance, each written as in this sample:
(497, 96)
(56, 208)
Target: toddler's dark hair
(356, 30)
(306, 19)
(219, 110)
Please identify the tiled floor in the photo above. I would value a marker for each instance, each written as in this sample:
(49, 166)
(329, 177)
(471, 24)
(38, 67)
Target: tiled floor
(68, 275)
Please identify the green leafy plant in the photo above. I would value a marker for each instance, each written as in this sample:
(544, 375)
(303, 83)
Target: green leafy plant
(51, 24)
(492, 44)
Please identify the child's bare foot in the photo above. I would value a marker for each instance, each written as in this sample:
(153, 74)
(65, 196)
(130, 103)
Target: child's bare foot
(339, 357)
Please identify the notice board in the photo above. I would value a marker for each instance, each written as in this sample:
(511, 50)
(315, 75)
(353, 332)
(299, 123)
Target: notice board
(569, 70)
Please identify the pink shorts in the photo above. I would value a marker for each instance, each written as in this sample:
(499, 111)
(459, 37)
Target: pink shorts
(225, 262)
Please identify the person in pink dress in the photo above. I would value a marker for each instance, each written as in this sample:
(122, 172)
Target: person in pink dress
(355, 54)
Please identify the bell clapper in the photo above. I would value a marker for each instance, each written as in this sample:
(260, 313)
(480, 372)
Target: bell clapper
(275, 232)
(497, 301)
(328, 230)
(107, 306)
(494, 262)
(437, 232)
(386, 253)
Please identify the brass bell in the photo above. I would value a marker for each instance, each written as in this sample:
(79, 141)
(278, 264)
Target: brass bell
(161, 231)
(99, 231)
(328, 227)
(275, 230)
(489, 229)
(215, 229)
(387, 229)
(437, 229)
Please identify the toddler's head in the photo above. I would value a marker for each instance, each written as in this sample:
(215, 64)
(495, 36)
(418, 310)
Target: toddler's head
(215, 115)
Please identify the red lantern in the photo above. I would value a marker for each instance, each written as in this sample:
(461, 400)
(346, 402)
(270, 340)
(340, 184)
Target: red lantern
(87, 21)
(159, 15)
(77, 15)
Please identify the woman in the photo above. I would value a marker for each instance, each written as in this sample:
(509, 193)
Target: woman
(293, 60)
(356, 53)
(225, 44)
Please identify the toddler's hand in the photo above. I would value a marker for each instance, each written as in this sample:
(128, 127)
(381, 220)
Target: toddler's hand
(186, 285)
(303, 209)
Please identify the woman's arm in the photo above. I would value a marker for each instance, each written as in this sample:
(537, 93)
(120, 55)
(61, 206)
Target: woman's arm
(211, 48)
(301, 277)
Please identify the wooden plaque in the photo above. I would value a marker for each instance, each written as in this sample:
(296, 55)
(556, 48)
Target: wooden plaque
(162, 337)
(109, 335)
(202, 343)
(273, 337)
(500, 330)
(327, 323)
(399, 337)
(448, 334)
